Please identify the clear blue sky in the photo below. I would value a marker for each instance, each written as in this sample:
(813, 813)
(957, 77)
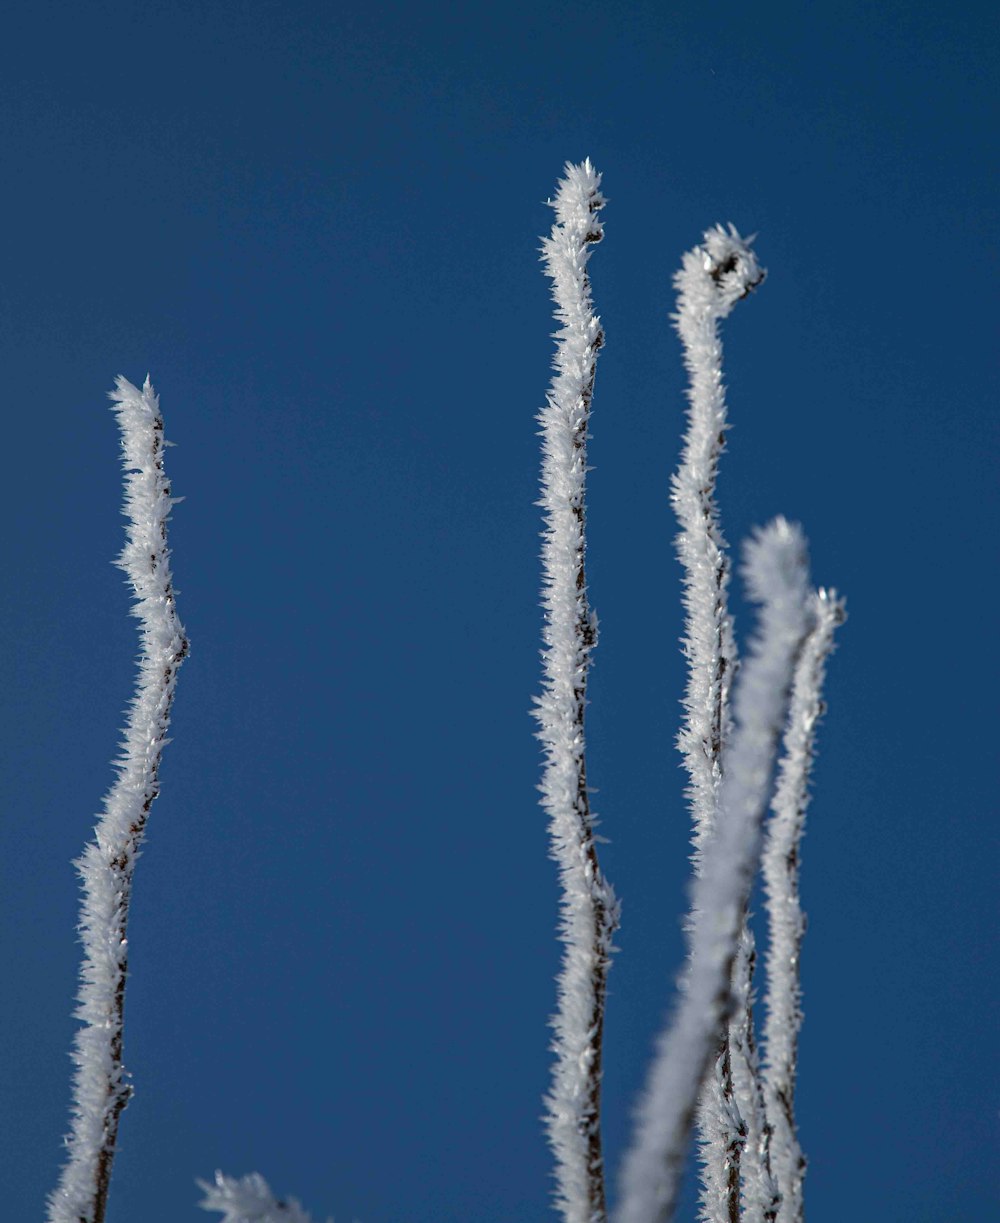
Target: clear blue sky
(316, 225)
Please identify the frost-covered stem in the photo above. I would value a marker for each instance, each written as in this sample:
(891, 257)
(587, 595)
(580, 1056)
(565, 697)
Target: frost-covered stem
(758, 1191)
(713, 277)
(775, 571)
(588, 908)
(249, 1200)
(100, 1082)
(786, 923)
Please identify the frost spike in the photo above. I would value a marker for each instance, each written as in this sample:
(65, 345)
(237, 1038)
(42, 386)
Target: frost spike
(249, 1199)
(588, 908)
(775, 572)
(100, 1082)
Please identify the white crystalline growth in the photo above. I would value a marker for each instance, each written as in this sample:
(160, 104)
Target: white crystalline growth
(786, 922)
(588, 910)
(248, 1199)
(776, 576)
(100, 1082)
(713, 277)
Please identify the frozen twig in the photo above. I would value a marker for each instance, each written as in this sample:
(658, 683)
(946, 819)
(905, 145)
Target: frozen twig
(249, 1200)
(758, 1190)
(786, 923)
(589, 910)
(100, 1084)
(713, 277)
(776, 576)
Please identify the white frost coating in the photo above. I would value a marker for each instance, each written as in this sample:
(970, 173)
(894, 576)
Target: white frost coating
(713, 277)
(786, 924)
(100, 1084)
(249, 1200)
(775, 572)
(589, 910)
(757, 1189)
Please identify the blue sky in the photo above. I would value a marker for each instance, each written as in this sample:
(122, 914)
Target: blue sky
(317, 227)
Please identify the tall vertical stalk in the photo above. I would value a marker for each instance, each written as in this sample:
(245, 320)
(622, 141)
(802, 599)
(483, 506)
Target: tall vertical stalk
(588, 908)
(101, 1088)
(777, 578)
(786, 922)
(713, 277)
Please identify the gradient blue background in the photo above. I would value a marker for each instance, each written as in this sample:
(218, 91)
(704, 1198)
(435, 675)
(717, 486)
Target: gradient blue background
(317, 226)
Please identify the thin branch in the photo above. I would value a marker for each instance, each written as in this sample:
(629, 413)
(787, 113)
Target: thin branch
(758, 1190)
(588, 909)
(713, 277)
(786, 923)
(100, 1084)
(775, 571)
